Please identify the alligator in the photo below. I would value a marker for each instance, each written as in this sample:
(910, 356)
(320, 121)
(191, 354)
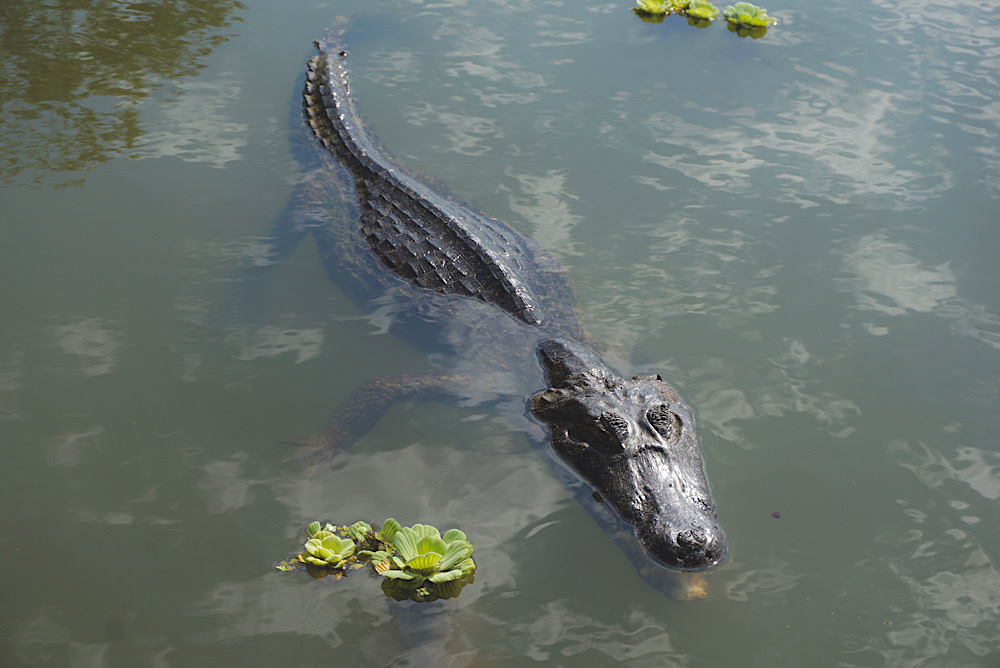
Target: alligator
(501, 313)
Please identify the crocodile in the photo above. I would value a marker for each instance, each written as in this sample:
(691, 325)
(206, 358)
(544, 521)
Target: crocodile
(496, 309)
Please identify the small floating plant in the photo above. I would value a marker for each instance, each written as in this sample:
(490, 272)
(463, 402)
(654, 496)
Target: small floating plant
(652, 11)
(426, 565)
(701, 13)
(743, 18)
(416, 563)
(744, 13)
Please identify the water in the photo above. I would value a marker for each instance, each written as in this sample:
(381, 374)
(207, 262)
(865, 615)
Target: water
(798, 231)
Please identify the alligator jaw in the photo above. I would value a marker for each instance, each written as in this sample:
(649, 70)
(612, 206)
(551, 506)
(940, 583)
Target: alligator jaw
(635, 442)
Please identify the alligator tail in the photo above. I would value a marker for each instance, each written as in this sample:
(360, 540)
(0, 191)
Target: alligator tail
(330, 109)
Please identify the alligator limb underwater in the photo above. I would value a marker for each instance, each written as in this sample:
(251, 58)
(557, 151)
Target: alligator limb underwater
(507, 313)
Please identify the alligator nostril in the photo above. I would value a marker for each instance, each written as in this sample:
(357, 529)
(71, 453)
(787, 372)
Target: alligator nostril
(691, 539)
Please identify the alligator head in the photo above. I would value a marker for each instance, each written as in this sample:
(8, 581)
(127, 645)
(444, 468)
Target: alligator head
(635, 442)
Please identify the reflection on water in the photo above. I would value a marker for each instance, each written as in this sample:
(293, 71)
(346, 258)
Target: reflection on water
(951, 51)
(71, 449)
(195, 127)
(467, 132)
(559, 631)
(977, 468)
(543, 201)
(41, 638)
(892, 281)
(887, 270)
(93, 343)
(843, 141)
(269, 341)
(224, 485)
(74, 76)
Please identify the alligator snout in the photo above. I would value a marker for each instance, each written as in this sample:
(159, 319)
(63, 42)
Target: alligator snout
(695, 548)
(691, 539)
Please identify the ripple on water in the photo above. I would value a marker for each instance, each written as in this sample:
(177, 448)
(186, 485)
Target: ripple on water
(944, 565)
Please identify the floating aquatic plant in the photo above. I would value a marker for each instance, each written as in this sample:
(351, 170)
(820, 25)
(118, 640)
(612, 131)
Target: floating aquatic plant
(326, 549)
(653, 6)
(332, 550)
(742, 18)
(701, 13)
(746, 14)
(652, 11)
(417, 563)
(429, 565)
(699, 9)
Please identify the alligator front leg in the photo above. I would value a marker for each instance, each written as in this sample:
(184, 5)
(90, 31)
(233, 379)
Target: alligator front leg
(368, 404)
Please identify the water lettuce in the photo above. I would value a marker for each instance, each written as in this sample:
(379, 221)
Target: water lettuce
(746, 14)
(700, 9)
(328, 550)
(653, 7)
(652, 11)
(418, 563)
(428, 565)
(743, 18)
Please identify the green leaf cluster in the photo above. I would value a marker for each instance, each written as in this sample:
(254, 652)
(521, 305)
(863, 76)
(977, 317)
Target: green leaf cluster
(417, 563)
(660, 7)
(746, 14)
(328, 550)
(700, 9)
(427, 565)
(652, 11)
(331, 550)
(743, 18)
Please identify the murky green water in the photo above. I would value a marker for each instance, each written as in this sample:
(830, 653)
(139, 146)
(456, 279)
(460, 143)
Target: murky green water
(799, 231)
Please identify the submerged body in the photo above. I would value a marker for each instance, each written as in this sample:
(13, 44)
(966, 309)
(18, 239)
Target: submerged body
(508, 309)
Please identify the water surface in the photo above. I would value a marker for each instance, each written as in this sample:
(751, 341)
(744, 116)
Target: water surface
(798, 231)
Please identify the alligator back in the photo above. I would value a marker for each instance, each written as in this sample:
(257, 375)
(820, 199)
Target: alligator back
(422, 237)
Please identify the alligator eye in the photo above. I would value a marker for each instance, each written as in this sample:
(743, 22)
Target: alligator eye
(614, 426)
(607, 434)
(666, 423)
